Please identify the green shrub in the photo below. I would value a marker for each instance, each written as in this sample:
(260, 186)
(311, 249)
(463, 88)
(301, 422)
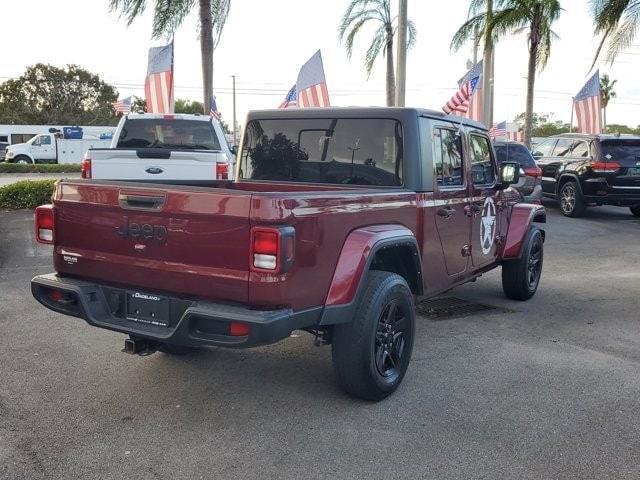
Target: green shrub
(26, 194)
(39, 168)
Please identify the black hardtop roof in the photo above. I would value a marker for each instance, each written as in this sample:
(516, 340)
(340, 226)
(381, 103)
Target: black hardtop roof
(397, 113)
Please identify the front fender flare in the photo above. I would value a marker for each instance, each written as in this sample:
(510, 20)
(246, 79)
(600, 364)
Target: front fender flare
(522, 216)
(357, 253)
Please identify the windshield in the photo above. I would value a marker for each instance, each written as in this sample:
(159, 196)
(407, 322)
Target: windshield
(514, 152)
(343, 151)
(168, 133)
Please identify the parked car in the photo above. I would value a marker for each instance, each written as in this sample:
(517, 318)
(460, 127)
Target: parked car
(153, 147)
(337, 219)
(585, 170)
(52, 148)
(530, 184)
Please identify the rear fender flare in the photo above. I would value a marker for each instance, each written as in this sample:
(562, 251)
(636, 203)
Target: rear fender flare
(522, 216)
(358, 252)
(564, 178)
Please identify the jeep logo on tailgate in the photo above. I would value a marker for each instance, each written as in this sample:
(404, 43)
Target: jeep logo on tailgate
(142, 231)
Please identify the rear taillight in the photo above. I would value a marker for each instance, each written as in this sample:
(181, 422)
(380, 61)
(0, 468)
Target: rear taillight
(239, 329)
(272, 249)
(222, 171)
(85, 169)
(605, 167)
(533, 172)
(44, 224)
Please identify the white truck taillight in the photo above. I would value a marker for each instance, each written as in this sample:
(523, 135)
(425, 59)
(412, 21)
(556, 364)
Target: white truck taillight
(44, 223)
(272, 249)
(85, 169)
(222, 171)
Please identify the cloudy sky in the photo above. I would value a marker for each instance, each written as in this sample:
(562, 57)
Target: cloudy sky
(265, 42)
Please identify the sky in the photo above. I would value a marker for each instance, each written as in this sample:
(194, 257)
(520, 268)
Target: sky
(264, 43)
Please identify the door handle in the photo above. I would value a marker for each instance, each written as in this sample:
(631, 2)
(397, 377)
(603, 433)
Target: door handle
(446, 212)
(141, 202)
(471, 210)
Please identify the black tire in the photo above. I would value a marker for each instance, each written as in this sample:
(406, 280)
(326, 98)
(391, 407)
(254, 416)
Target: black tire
(635, 210)
(172, 349)
(520, 278)
(372, 352)
(571, 201)
(22, 159)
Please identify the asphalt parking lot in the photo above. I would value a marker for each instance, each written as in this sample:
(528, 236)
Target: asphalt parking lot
(549, 389)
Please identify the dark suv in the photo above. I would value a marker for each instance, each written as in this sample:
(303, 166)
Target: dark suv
(529, 185)
(582, 170)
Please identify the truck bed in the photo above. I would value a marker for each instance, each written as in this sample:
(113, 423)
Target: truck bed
(193, 239)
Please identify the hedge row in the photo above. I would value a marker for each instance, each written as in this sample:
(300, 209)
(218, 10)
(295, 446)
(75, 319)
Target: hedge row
(26, 194)
(39, 168)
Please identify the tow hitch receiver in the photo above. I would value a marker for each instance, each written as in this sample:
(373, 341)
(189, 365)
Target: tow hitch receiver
(137, 346)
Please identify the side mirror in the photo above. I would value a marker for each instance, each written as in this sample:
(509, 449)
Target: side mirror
(234, 149)
(509, 174)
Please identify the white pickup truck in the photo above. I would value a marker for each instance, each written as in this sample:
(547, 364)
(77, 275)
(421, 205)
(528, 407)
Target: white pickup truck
(159, 147)
(51, 148)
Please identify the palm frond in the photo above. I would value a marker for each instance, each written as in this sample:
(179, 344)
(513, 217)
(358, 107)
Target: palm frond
(412, 34)
(468, 30)
(129, 9)
(219, 14)
(624, 35)
(168, 15)
(379, 40)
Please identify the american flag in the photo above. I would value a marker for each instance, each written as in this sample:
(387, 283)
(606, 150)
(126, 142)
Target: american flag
(588, 107)
(310, 89)
(498, 130)
(122, 106)
(291, 100)
(214, 109)
(158, 86)
(517, 136)
(467, 101)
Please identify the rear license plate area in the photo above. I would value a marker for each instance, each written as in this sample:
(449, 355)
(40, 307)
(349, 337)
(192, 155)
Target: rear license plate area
(148, 308)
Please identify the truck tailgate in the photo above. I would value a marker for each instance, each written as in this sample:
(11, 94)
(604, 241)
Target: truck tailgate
(193, 241)
(155, 164)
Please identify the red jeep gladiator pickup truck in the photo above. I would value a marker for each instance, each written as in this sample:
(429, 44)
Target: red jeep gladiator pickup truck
(337, 220)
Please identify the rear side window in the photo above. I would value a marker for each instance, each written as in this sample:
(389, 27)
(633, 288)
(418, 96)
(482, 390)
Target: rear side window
(563, 147)
(482, 165)
(580, 149)
(621, 150)
(447, 157)
(337, 151)
(168, 133)
(514, 153)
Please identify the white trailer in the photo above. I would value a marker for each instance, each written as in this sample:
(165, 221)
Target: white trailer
(50, 148)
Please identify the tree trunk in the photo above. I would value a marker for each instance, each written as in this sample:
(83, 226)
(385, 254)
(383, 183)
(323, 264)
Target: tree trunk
(391, 78)
(206, 52)
(604, 119)
(531, 81)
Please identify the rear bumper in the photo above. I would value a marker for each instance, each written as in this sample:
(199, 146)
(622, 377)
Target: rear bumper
(597, 190)
(192, 322)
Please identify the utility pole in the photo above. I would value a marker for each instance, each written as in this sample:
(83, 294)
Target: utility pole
(401, 66)
(234, 111)
(487, 69)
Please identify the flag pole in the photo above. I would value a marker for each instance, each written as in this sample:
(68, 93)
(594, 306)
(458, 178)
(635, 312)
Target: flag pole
(235, 143)
(572, 107)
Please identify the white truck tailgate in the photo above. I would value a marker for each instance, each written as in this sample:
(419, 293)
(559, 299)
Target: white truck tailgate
(155, 164)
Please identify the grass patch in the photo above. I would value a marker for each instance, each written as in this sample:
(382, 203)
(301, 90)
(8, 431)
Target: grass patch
(37, 168)
(26, 194)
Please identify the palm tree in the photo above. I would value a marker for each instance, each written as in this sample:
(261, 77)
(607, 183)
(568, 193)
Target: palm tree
(360, 12)
(606, 93)
(168, 15)
(617, 21)
(536, 16)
